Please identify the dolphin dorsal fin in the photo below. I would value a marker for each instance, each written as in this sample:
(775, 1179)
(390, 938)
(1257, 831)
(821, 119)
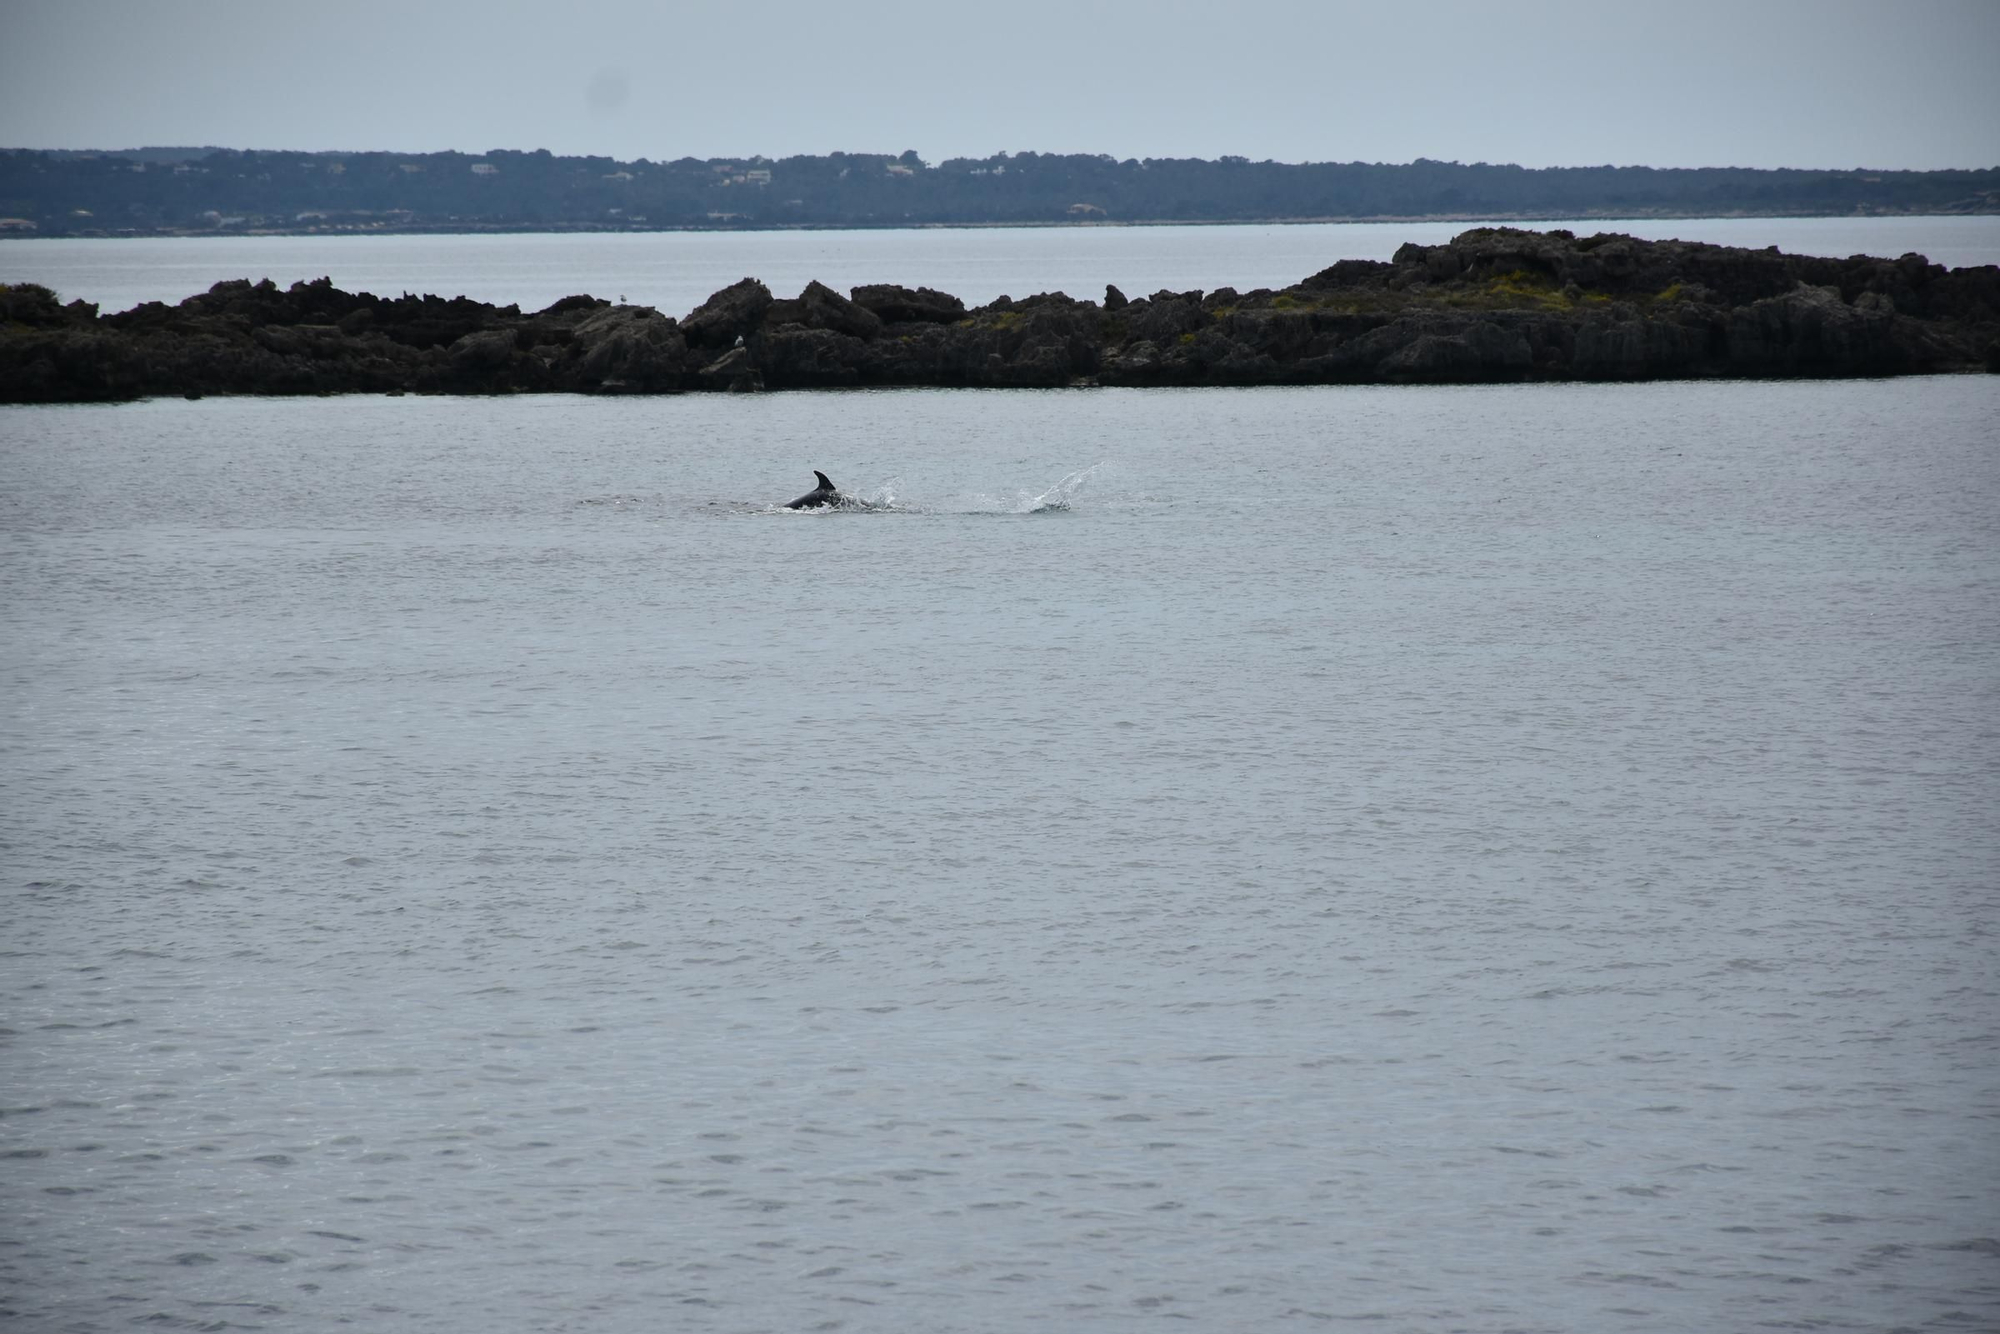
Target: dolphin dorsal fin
(824, 481)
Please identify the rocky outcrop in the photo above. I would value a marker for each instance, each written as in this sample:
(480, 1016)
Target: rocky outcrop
(737, 311)
(1495, 304)
(902, 305)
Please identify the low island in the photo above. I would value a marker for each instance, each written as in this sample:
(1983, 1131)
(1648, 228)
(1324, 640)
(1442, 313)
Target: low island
(1495, 305)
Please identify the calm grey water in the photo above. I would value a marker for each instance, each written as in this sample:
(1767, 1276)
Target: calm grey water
(1452, 859)
(677, 271)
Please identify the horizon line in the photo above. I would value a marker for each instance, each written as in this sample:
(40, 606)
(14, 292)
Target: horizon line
(932, 165)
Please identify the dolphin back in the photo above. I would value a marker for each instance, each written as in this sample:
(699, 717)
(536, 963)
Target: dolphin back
(823, 494)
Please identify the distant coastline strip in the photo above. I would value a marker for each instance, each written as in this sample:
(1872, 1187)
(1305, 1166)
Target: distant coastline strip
(204, 191)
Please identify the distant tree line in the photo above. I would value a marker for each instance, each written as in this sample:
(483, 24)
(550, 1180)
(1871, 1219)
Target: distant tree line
(169, 190)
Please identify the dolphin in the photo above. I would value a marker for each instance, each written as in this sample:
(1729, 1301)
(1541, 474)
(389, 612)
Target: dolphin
(826, 493)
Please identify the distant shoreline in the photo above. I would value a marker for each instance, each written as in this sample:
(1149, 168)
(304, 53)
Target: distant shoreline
(597, 229)
(203, 191)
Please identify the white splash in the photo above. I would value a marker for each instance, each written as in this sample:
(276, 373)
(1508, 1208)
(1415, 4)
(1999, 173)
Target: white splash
(1057, 498)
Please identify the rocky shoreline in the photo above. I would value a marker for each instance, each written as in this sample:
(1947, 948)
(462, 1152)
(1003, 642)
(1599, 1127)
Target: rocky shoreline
(1495, 305)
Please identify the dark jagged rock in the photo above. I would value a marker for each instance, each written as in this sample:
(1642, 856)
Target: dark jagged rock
(1496, 304)
(737, 311)
(630, 349)
(820, 307)
(733, 371)
(902, 305)
(800, 357)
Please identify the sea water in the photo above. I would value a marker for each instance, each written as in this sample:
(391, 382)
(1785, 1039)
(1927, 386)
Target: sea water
(1459, 858)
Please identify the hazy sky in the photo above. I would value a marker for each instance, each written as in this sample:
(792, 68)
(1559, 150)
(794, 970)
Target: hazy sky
(1760, 83)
